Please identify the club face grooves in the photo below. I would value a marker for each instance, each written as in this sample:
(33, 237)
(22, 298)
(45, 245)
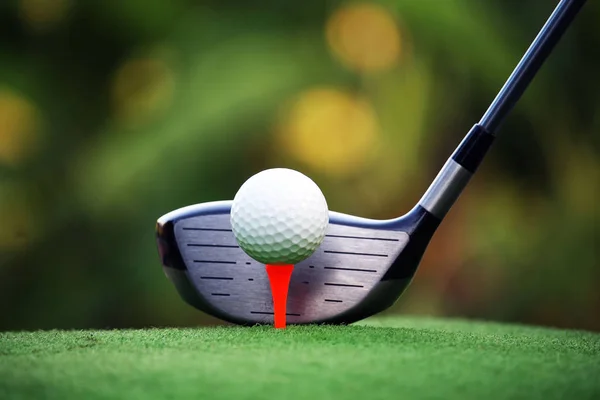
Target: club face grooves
(334, 285)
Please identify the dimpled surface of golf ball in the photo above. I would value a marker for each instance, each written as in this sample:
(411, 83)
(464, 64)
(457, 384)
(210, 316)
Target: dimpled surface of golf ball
(279, 216)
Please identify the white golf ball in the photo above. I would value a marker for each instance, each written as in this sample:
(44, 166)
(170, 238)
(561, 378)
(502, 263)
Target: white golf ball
(279, 216)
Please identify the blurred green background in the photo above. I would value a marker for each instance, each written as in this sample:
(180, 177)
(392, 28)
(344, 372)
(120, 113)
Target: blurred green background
(115, 112)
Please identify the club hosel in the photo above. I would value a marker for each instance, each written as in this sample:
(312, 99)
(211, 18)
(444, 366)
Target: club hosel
(455, 174)
(473, 148)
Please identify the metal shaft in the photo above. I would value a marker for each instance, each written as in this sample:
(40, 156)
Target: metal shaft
(456, 173)
(542, 46)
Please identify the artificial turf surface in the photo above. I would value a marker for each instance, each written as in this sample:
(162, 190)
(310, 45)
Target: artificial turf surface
(392, 358)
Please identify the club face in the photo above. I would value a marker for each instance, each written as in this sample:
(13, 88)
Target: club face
(360, 269)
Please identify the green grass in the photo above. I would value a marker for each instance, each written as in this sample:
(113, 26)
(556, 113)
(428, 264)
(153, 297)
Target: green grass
(394, 358)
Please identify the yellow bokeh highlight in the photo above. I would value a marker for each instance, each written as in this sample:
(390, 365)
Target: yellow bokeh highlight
(365, 37)
(19, 128)
(43, 15)
(141, 88)
(330, 130)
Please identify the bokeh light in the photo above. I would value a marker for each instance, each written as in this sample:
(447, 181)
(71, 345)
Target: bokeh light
(44, 15)
(330, 130)
(142, 88)
(365, 37)
(19, 128)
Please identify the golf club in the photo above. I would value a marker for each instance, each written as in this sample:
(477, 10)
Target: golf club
(363, 265)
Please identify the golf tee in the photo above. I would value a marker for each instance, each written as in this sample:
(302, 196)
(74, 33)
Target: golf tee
(279, 278)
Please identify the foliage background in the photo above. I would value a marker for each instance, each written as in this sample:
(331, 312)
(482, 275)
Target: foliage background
(114, 112)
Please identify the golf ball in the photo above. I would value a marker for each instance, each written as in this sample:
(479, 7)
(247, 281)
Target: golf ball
(279, 216)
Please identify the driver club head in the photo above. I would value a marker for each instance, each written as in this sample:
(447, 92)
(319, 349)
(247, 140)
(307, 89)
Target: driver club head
(363, 265)
(360, 269)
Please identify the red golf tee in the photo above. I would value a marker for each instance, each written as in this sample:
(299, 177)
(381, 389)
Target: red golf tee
(279, 278)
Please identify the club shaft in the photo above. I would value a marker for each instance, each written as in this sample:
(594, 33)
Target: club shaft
(525, 71)
(456, 173)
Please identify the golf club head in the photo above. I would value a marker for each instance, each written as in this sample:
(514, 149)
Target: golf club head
(363, 265)
(360, 269)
